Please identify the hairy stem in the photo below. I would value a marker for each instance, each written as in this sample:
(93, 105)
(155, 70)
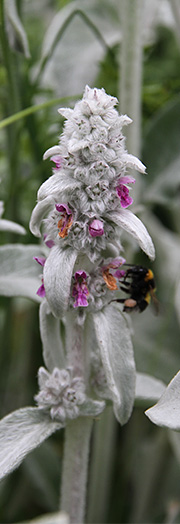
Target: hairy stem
(77, 434)
(101, 468)
(74, 478)
(131, 69)
(176, 12)
(75, 346)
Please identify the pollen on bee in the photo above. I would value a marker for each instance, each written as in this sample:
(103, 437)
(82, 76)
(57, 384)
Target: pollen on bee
(149, 275)
(130, 302)
(148, 298)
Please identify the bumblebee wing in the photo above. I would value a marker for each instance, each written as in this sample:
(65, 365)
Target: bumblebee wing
(155, 300)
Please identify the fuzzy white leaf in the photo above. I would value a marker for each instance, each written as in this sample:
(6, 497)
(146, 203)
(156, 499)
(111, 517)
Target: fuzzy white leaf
(57, 185)
(66, 112)
(53, 351)
(133, 162)
(21, 432)
(125, 120)
(19, 273)
(133, 225)
(54, 150)
(58, 271)
(91, 408)
(114, 341)
(8, 225)
(166, 412)
(38, 213)
(148, 388)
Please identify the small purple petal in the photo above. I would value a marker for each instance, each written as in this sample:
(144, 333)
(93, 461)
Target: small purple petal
(123, 191)
(116, 262)
(127, 179)
(81, 274)
(81, 301)
(49, 243)
(41, 291)
(96, 228)
(40, 260)
(123, 194)
(57, 159)
(80, 290)
(119, 273)
(61, 208)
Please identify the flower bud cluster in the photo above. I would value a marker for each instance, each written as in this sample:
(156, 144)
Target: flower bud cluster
(83, 205)
(60, 393)
(96, 289)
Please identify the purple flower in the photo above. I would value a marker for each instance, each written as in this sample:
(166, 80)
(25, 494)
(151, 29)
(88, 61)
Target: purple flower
(96, 228)
(123, 191)
(41, 290)
(80, 290)
(57, 159)
(49, 243)
(119, 273)
(66, 219)
(40, 260)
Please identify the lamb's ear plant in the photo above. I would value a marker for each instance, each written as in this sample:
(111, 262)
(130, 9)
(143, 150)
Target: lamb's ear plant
(166, 413)
(81, 214)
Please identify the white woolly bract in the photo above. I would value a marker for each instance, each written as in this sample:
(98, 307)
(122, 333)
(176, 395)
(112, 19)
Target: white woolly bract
(116, 352)
(53, 350)
(133, 225)
(166, 412)
(8, 225)
(21, 432)
(58, 272)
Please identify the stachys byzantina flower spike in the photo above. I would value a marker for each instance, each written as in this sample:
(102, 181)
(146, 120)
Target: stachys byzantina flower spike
(82, 207)
(81, 211)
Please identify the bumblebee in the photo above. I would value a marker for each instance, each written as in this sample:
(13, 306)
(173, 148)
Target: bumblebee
(138, 282)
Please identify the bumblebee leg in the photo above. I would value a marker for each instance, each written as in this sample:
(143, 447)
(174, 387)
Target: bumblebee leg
(125, 283)
(124, 289)
(121, 300)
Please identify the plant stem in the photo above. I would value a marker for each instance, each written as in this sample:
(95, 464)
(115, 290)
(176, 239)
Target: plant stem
(101, 468)
(74, 477)
(33, 109)
(131, 69)
(77, 434)
(74, 346)
(176, 12)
